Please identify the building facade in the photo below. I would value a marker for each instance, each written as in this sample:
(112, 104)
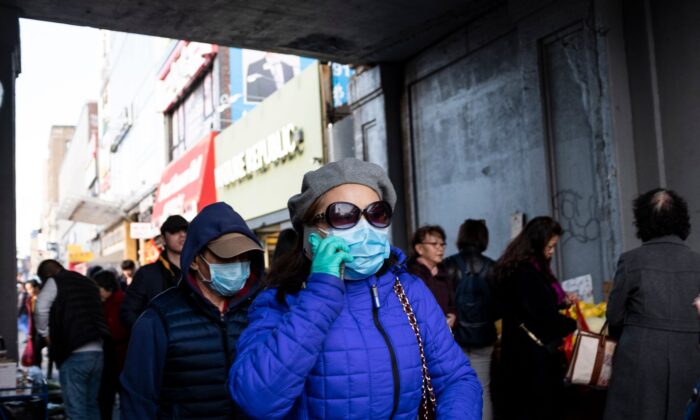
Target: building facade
(262, 158)
(567, 109)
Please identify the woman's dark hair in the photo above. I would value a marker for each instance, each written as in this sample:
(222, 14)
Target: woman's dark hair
(128, 265)
(107, 280)
(422, 232)
(92, 271)
(530, 243)
(285, 243)
(661, 212)
(35, 284)
(291, 269)
(473, 234)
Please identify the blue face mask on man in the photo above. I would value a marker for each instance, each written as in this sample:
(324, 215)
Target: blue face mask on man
(228, 279)
(368, 245)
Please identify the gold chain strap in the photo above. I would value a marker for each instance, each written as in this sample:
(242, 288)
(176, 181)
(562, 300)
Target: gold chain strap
(427, 386)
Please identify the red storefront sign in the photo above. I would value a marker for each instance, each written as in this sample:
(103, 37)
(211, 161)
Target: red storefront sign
(187, 184)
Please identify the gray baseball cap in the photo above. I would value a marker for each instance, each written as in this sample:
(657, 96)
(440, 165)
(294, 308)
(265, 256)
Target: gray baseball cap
(346, 171)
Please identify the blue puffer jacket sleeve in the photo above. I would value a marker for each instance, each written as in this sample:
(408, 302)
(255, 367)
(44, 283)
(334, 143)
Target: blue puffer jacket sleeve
(457, 388)
(281, 345)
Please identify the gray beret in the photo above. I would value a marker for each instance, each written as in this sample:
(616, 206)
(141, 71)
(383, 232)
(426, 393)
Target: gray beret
(346, 171)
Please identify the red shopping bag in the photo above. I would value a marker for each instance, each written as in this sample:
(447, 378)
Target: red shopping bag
(570, 340)
(28, 354)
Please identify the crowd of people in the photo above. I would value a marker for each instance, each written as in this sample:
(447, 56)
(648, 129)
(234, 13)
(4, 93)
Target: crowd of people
(345, 325)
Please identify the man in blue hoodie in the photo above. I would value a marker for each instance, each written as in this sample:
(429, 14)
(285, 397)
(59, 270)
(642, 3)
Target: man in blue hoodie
(183, 345)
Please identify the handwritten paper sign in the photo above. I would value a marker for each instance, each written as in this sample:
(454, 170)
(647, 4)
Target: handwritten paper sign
(582, 286)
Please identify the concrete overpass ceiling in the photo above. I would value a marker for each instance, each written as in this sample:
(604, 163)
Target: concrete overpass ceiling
(351, 31)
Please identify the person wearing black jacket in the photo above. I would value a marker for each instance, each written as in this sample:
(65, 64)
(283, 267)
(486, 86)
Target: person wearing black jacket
(427, 251)
(532, 366)
(152, 279)
(475, 331)
(182, 347)
(69, 315)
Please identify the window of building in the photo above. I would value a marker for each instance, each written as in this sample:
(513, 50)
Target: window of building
(190, 119)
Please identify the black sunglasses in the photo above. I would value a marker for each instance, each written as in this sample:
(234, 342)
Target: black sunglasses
(342, 215)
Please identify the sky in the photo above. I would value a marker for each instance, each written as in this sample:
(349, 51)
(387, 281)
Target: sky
(60, 72)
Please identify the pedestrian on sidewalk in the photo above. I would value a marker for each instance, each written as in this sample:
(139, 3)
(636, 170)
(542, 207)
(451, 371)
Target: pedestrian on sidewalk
(330, 337)
(33, 288)
(471, 273)
(651, 311)
(69, 316)
(128, 268)
(532, 367)
(425, 262)
(152, 279)
(183, 345)
(112, 297)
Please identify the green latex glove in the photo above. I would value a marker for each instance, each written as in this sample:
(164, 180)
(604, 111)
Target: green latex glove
(328, 254)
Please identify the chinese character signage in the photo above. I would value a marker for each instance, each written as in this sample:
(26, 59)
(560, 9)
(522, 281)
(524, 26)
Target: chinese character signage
(340, 78)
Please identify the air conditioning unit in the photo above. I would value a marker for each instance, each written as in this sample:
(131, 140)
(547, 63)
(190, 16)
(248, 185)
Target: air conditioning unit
(123, 123)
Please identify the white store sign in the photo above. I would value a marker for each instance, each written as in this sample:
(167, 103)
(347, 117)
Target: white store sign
(273, 149)
(143, 231)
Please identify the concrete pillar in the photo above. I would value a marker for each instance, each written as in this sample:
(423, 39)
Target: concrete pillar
(375, 101)
(9, 69)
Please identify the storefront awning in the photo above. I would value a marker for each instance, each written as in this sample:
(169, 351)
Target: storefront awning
(89, 210)
(187, 184)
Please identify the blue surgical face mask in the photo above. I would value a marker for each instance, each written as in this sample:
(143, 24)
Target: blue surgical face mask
(368, 245)
(228, 279)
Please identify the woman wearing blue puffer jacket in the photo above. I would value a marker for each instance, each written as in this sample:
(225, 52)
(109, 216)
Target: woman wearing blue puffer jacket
(331, 337)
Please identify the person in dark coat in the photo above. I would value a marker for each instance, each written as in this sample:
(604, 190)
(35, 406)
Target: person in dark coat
(475, 331)
(428, 250)
(112, 297)
(152, 279)
(128, 269)
(69, 316)
(650, 309)
(184, 344)
(532, 366)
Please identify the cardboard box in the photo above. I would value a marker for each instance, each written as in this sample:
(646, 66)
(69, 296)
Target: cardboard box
(8, 374)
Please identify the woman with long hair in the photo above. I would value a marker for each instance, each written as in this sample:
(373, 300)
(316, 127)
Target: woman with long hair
(343, 331)
(532, 366)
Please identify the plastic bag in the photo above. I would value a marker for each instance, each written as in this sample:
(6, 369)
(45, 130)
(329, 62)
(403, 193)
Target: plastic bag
(28, 354)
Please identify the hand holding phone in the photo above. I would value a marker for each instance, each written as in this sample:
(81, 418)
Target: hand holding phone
(329, 255)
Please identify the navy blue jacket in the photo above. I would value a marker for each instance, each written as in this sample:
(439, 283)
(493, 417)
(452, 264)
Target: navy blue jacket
(149, 281)
(182, 346)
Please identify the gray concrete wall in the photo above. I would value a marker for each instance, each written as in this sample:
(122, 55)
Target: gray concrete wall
(511, 114)
(375, 101)
(609, 18)
(341, 139)
(676, 37)
(661, 41)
